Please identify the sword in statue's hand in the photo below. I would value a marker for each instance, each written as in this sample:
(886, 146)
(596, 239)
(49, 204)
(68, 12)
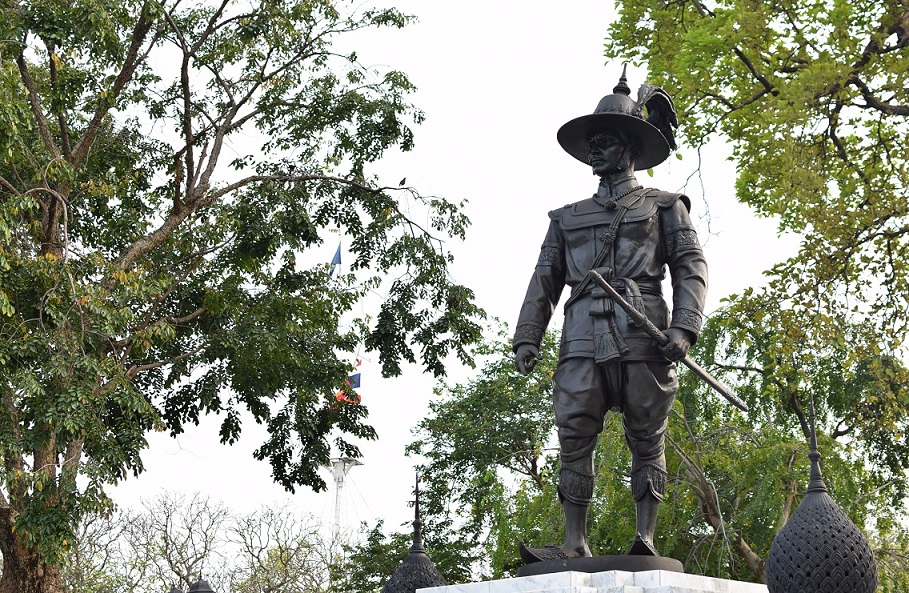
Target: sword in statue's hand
(654, 332)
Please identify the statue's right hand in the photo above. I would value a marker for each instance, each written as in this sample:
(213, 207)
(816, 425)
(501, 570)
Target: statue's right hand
(526, 357)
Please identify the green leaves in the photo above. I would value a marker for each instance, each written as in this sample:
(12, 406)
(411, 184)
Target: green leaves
(146, 281)
(812, 96)
(489, 479)
(809, 95)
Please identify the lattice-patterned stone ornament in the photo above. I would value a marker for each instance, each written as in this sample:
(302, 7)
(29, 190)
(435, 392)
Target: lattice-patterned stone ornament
(820, 550)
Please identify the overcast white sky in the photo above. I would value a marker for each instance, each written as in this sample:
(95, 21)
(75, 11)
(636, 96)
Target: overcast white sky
(496, 80)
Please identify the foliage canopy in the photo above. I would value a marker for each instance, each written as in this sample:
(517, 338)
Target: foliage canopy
(165, 173)
(813, 99)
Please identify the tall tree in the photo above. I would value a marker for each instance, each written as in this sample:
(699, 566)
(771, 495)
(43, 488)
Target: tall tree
(165, 171)
(812, 97)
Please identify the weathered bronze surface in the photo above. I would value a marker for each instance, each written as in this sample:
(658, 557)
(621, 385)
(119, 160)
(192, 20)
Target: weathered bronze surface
(660, 338)
(631, 236)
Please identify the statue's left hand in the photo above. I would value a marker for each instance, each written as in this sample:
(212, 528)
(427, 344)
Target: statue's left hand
(680, 341)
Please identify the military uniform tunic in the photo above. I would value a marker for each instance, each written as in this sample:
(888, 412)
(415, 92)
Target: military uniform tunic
(605, 361)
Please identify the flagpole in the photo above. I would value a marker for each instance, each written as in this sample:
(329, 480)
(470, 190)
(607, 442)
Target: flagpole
(340, 466)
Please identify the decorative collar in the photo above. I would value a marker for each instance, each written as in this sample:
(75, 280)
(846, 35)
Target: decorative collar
(611, 203)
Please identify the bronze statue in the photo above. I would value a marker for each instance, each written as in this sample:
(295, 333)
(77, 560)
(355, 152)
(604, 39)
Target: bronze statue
(630, 235)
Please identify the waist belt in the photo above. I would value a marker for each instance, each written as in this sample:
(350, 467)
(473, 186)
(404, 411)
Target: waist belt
(645, 286)
(608, 341)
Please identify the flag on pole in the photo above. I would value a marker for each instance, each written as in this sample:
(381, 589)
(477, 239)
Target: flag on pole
(335, 261)
(347, 393)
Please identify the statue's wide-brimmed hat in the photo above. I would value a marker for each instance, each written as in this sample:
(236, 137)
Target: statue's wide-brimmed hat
(619, 112)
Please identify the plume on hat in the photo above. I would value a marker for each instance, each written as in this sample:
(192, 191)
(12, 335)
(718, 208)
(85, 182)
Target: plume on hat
(660, 111)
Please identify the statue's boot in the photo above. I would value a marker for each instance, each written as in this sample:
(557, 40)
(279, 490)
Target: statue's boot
(575, 545)
(647, 508)
(575, 529)
(648, 485)
(550, 552)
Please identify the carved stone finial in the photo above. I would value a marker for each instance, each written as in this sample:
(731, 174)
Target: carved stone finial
(820, 549)
(417, 571)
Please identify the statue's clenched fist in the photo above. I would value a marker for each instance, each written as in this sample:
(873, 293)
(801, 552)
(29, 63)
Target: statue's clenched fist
(680, 341)
(526, 356)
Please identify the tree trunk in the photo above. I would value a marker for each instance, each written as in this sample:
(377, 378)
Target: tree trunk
(23, 569)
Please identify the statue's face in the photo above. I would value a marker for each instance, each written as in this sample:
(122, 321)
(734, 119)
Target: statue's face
(605, 153)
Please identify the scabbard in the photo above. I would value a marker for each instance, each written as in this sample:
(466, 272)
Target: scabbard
(661, 339)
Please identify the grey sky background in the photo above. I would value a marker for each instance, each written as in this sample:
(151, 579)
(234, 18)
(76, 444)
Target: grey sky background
(496, 79)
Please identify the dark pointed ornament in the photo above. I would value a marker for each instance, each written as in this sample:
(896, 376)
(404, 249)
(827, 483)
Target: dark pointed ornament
(820, 550)
(622, 88)
(417, 571)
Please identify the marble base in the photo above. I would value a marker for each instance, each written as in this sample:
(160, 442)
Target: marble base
(613, 581)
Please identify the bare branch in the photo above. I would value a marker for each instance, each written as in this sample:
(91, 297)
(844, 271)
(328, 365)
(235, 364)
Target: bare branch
(210, 28)
(8, 186)
(187, 121)
(145, 244)
(61, 119)
(186, 318)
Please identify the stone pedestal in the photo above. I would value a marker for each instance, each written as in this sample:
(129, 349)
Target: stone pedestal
(613, 581)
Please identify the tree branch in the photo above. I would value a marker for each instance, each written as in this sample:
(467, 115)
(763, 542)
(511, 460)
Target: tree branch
(61, 120)
(34, 101)
(210, 28)
(757, 75)
(799, 413)
(8, 186)
(706, 494)
(791, 492)
(147, 243)
(130, 63)
(841, 152)
(136, 369)
(185, 319)
(180, 212)
(873, 102)
(187, 119)
(900, 27)
(70, 467)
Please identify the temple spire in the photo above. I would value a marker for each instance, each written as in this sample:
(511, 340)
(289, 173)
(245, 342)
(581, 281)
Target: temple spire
(417, 525)
(417, 571)
(816, 483)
